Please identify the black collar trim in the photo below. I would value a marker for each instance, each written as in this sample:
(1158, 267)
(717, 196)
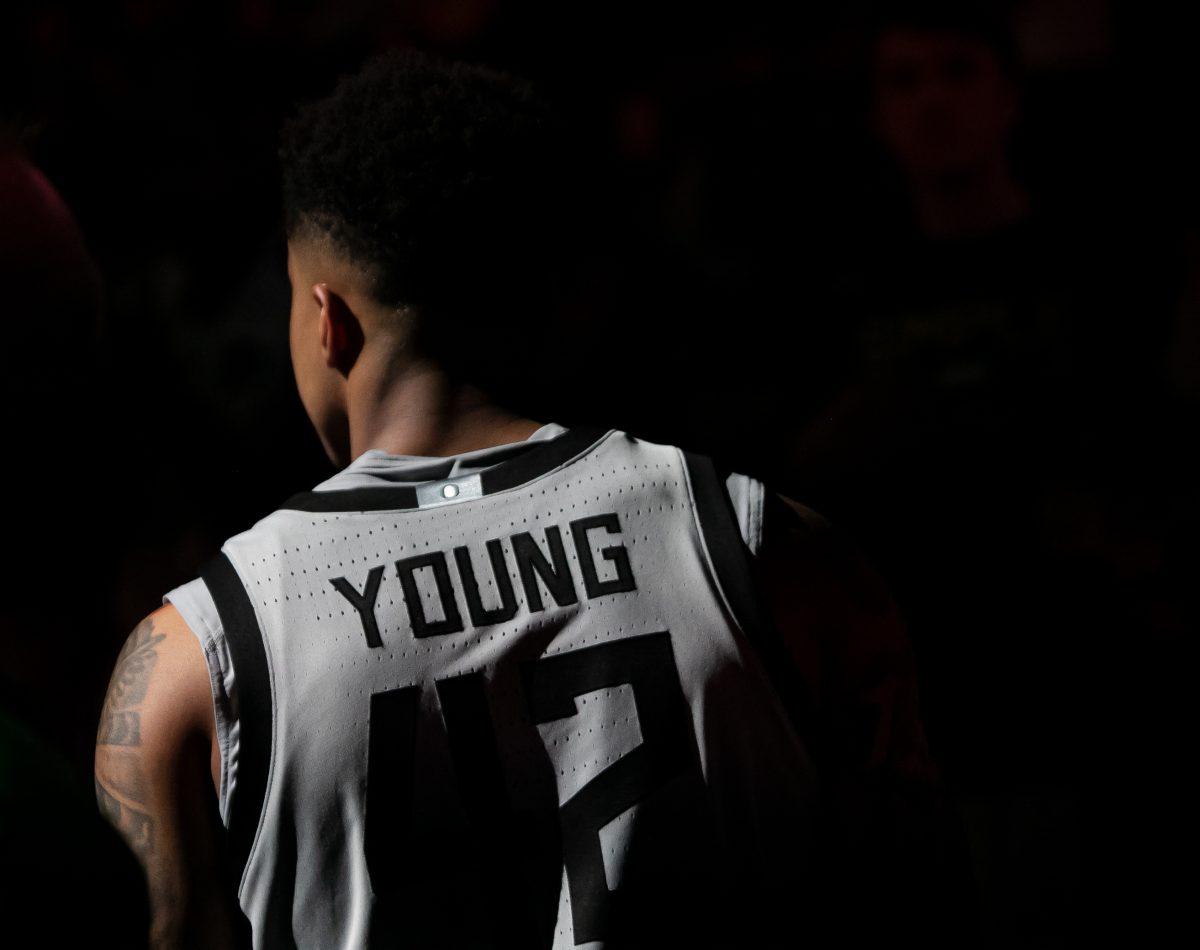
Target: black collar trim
(536, 461)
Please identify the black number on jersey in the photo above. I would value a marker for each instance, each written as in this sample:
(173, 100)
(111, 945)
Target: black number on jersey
(667, 754)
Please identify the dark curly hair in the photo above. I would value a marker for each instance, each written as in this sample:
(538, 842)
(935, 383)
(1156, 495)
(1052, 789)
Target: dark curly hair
(436, 177)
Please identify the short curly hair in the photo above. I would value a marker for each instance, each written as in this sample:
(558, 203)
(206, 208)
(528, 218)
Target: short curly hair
(434, 176)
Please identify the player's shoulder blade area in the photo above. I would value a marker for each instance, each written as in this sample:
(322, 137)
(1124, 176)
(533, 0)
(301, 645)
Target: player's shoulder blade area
(504, 701)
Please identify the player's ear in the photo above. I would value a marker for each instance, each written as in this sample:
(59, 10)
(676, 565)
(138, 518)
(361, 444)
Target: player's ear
(341, 333)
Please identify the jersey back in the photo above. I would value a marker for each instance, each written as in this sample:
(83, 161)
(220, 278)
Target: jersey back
(514, 707)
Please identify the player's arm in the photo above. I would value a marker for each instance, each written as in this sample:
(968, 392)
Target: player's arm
(846, 638)
(891, 835)
(155, 761)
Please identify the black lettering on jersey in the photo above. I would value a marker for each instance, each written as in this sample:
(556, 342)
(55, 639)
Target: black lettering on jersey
(668, 750)
(391, 734)
(532, 564)
(364, 603)
(451, 621)
(497, 831)
(481, 617)
(535, 568)
(521, 854)
(616, 553)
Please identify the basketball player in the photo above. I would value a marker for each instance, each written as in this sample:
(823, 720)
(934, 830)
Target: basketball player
(499, 682)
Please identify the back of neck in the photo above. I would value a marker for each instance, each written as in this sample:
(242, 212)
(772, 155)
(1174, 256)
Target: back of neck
(422, 412)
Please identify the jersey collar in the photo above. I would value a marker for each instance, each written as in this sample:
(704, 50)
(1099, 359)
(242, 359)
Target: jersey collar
(377, 481)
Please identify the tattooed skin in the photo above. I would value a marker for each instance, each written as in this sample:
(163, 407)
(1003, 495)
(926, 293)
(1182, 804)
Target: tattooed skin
(122, 791)
(120, 722)
(120, 788)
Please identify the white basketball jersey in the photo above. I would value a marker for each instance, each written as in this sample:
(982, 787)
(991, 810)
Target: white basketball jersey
(508, 698)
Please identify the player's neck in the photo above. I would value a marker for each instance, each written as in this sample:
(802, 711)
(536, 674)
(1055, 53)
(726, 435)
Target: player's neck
(421, 412)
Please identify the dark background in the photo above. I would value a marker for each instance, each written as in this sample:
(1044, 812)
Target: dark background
(998, 412)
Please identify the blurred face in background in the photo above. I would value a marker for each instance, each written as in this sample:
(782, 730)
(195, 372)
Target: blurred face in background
(943, 104)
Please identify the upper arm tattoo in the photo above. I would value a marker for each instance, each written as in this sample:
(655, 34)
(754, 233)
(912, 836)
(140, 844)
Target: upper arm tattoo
(122, 787)
(120, 722)
(120, 790)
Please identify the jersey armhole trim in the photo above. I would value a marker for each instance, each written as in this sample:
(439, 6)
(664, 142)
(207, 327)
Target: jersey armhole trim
(727, 550)
(255, 714)
(187, 599)
(731, 559)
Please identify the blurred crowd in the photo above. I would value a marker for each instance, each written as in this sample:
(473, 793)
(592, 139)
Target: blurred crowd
(932, 269)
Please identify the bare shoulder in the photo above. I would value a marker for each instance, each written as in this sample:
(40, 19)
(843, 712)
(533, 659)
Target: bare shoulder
(154, 756)
(805, 515)
(157, 704)
(798, 539)
(161, 673)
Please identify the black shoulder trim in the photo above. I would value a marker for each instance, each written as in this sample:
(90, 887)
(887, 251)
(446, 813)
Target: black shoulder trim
(354, 499)
(732, 562)
(542, 459)
(537, 460)
(730, 556)
(249, 658)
